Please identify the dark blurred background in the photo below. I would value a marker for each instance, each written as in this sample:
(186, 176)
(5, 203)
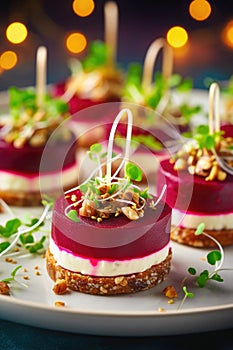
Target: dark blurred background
(140, 22)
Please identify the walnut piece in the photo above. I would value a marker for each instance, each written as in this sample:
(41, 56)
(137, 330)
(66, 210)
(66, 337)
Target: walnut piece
(4, 288)
(60, 287)
(170, 292)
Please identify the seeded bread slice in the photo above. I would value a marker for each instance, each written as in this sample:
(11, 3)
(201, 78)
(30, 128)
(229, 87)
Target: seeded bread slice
(187, 236)
(28, 199)
(123, 284)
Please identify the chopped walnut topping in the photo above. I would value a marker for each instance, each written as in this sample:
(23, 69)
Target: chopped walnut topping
(203, 162)
(4, 288)
(128, 203)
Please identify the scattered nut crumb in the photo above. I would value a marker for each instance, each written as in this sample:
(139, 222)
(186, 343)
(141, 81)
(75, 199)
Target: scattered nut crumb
(4, 288)
(37, 273)
(60, 287)
(59, 303)
(170, 292)
(26, 277)
(161, 309)
(10, 260)
(36, 267)
(170, 301)
(25, 270)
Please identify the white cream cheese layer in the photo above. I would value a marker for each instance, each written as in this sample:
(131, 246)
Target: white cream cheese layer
(212, 222)
(99, 267)
(13, 181)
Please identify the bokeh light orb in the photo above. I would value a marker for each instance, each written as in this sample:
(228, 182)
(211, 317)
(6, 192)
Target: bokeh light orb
(16, 32)
(83, 8)
(76, 42)
(199, 10)
(227, 34)
(177, 36)
(8, 60)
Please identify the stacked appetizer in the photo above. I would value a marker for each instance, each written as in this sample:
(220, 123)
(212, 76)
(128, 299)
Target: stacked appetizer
(159, 118)
(157, 91)
(199, 181)
(29, 164)
(95, 79)
(108, 235)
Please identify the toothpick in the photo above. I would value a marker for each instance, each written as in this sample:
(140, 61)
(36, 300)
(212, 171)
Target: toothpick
(41, 62)
(151, 58)
(111, 29)
(111, 140)
(214, 111)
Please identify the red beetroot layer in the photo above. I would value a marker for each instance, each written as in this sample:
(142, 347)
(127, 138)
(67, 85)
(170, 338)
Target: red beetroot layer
(194, 194)
(59, 155)
(117, 238)
(76, 103)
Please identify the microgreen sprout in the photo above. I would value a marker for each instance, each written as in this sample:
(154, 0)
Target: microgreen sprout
(22, 232)
(186, 295)
(105, 193)
(12, 278)
(205, 139)
(13, 274)
(214, 258)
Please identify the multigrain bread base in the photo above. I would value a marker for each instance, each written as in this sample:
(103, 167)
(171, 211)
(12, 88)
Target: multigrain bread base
(187, 236)
(29, 199)
(124, 284)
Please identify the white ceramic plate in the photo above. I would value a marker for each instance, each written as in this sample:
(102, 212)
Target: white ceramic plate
(130, 315)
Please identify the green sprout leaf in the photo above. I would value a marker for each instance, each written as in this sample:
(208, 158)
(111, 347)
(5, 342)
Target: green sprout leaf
(200, 229)
(213, 257)
(203, 278)
(216, 277)
(205, 139)
(145, 193)
(192, 271)
(26, 238)
(96, 148)
(133, 172)
(73, 215)
(37, 246)
(83, 187)
(13, 274)
(187, 294)
(3, 246)
(10, 227)
(113, 189)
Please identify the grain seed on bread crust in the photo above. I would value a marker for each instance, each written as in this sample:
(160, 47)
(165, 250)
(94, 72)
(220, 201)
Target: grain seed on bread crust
(187, 236)
(27, 199)
(123, 284)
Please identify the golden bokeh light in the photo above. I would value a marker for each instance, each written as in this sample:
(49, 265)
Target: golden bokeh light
(76, 42)
(177, 36)
(83, 8)
(227, 34)
(200, 9)
(8, 60)
(16, 32)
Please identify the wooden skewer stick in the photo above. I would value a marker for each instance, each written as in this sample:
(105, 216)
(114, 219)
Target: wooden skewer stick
(41, 71)
(214, 110)
(111, 29)
(150, 60)
(120, 115)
